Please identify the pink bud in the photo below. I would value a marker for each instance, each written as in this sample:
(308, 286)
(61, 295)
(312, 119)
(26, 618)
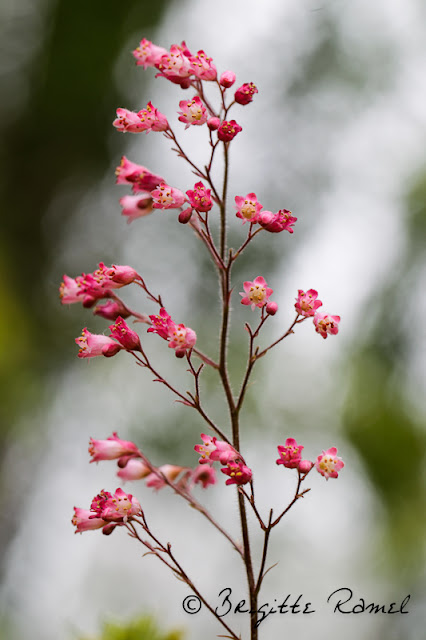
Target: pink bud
(185, 216)
(271, 308)
(111, 310)
(305, 466)
(213, 123)
(227, 79)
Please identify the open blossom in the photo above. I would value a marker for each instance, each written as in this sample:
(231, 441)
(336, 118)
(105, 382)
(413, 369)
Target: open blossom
(135, 469)
(307, 303)
(277, 222)
(127, 121)
(224, 452)
(228, 130)
(170, 471)
(165, 197)
(148, 54)
(175, 65)
(70, 290)
(118, 507)
(326, 324)
(245, 93)
(136, 206)
(200, 198)
(152, 119)
(181, 339)
(192, 112)
(256, 293)
(92, 345)
(238, 473)
(248, 208)
(206, 448)
(160, 324)
(138, 176)
(125, 336)
(328, 464)
(204, 475)
(290, 454)
(83, 520)
(202, 66)
(111, 448)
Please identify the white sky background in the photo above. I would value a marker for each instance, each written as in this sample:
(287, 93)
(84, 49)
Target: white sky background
(349, 235)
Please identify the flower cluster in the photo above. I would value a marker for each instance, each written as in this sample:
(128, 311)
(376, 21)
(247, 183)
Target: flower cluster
(212, 450)
(250, 210)
(179, 337)
(90, 287)
(307, 305)
(328, 464)
(106, 512)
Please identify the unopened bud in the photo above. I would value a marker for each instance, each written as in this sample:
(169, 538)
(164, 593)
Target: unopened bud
(271, 308)
(227, 79)
(213, 123)
(185, 216)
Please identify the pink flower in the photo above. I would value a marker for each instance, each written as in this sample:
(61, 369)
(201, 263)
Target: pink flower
(290, 454)
(111, 310)
(328, 464)
(170, 471)
(238, 473)
(84, 521)
(200, 198)
(181, 339)
(119, 507)
(204, 475)
(206, 448)
(148, 54)
(277, 222)
(248, 208)
(92, 345)
(138, 176)
(70, 290)
(135, 469)
(227, 79)
(202, 67)
(136, 206)
(224, 452)
(165, 197)
(192, 112)
(256, 293)
(228, 130)
(326, 324)
(245, 93)
(125, 336)
(121, 275)
(307, 303)
(160, 324)
(175, 66)
(151, 119)
(111, 448)
(128, 121)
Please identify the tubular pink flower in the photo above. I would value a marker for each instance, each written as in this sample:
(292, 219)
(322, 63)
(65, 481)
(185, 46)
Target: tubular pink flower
(111, 310)
(277, 222)
(245, 93)
(134, 470)
(83, 520)
(138, 176)
(238, 473)
(165, 197)
(328, 464)
(256, 293)
(204, 475)
(170, 471)
(136, 206)
(205, 449)
(128, 121)
(224, 452)
(192, 112)
(307, 303)
(227, 79)
(200, 198)
(152, 119)
(71, 289)
(161, 323)
(121, 275)
(202, 66)
(326, 324)
(290, 454)
(92, 345)
(148, 54)
(120, 507)
(111, 448)
(248, 208)
(181, 339)
(175, 66)
(228, 130)
(125, 336)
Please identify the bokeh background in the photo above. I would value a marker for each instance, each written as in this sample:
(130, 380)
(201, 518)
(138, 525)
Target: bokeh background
(336, 134)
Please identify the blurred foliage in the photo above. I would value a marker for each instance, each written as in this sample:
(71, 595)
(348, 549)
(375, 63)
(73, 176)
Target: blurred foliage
(142, 629)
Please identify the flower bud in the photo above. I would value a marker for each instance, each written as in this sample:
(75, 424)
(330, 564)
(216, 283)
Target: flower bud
(213, 123)
(227, 79)
(271, 308)
(185, 216)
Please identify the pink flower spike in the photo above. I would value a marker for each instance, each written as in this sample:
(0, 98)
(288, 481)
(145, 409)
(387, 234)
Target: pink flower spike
(328, 464)
(290, 454)
(245, 93)
(326, 324)
(83, 520)
(120, 507)
(227, 79)
(111, 448)
(165, 197)
(206, 448)
(111, 310)
(204, 475)
(136, 206)
(192, 112)
(228, 130)
(238, 473)
(138, 176)
(256, 293)
(277, 222)
(213, 123)
(271, 308)
(307, 303)
(151, 119)
(202, 66)
(125, 336)
(248, 208)
(161, 323)
(170, 471)
(148, 54)
(200, 198)
(305, 466)
(128, 122)
(92, 345)
(135, 469)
